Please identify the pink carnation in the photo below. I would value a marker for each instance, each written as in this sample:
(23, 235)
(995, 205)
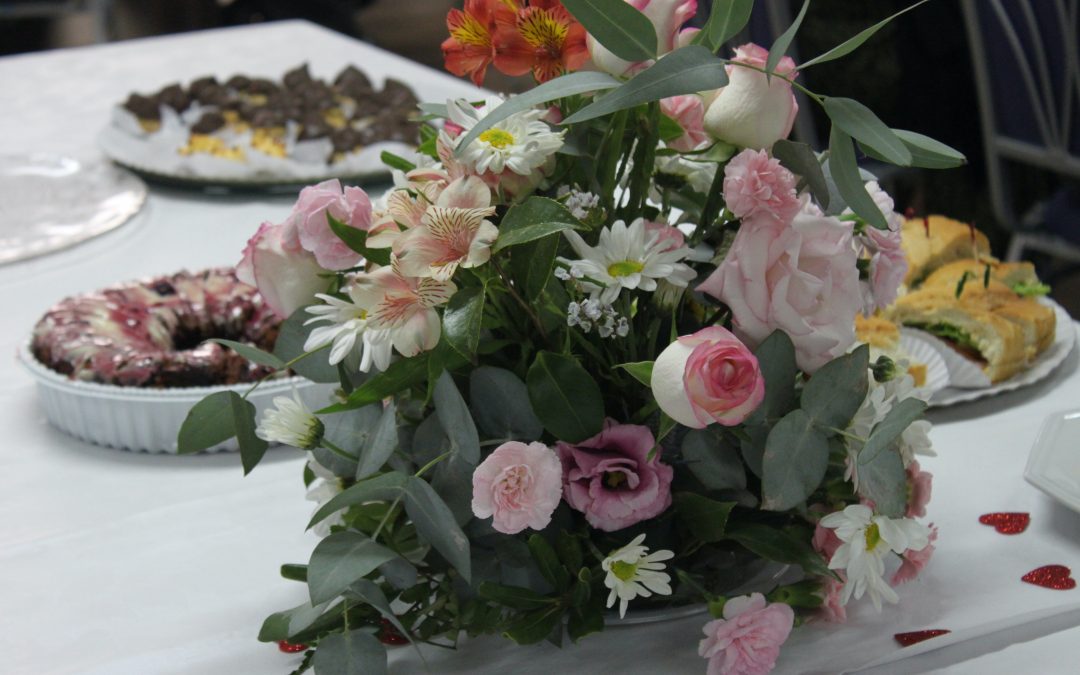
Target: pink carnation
(747, 640)
(825, 541)
(689, 111)
(919, 487)
(758, 187)
(888, 264)
(914, 561)
(611, 479)
(519, 485)
(351, 206)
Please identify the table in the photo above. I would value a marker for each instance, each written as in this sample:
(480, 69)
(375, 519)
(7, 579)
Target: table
(123, 563)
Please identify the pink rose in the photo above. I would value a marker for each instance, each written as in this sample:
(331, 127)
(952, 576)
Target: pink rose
(747, 640)
(752, 111)
(610, 479)
(689, 111)
(801, 279)
(832, 605)
(707, 377)
(758, 187)
(914, 561)
(351, 206)
(286, 275)
(667, 17)
(888, 264)
(519, 485)
(919, 486)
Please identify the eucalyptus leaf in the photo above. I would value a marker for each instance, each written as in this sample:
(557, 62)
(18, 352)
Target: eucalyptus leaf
(845, 174)
(401, 375)
(801, 160)
(385, 487)
(380, 443)
(350, 432)
(705, 518)
(565, 397)
(356, 652)
(715, 463)
(883, 480)
(889, 429)
(776, 358)
(290, 344)
(835, 392)
(500, 405)
(859, 122)
(752, 446)
(618, 26)
(462, 318)
(535, 218)
(436, 525)
(340, 560)
(926, 153)
(780, 46)
(456, 420)
(369, 592)
(726, 19)
(856, 41)
(209, 422)
(452, 481)
(580, 82)
(399, 573)
(252, 448)
(686, 70)
(795, 460)
(251, 353)
(283, 625)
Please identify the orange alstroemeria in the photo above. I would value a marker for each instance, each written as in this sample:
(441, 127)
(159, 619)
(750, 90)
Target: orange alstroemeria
(543, 38)
(470, 48)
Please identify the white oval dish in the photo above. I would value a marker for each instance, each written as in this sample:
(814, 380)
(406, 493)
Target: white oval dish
(146, 420)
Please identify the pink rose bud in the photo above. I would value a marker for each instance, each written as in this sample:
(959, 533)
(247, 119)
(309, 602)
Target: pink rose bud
(753, 111)
(286, 275)
(708, 377)
(747, 640)
(350, 206)
(519, 485)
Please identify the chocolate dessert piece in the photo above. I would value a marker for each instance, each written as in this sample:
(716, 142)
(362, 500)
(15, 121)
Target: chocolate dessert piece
(353, 82)
(397, 94)
(238, 82)
(175, 97)
(213, 94)
(266, 118)
(262, 86)
(297, 77)
(208, 123)
(314, 127)
(143, 107)
(346, 140)
(202, 83)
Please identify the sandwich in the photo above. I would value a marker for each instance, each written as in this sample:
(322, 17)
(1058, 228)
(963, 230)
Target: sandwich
(934, 241)
(1020, 277)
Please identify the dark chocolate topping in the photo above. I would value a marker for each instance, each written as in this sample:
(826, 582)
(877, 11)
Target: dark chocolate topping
(208, 123)
(143, 107)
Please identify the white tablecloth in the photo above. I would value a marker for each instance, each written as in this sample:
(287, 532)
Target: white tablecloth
(121, 563)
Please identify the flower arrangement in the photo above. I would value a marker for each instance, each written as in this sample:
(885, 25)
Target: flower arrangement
(594, 352)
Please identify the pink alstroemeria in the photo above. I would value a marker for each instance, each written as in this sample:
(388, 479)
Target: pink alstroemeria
(400, 313)
(667, 17)
(689, 111)
(454, 231)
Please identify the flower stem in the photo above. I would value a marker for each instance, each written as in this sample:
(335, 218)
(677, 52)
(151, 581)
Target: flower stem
(711, 210)
(340, 452)
(521, 301)
(288, 364)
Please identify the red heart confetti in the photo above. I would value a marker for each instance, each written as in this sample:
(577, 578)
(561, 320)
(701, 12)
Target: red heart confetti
(1056, 577)
(290, 648)
(1007, 523)
(908, 639)
(389, 635)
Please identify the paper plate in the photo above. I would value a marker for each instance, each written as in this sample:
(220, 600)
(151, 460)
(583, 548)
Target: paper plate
(918, 350)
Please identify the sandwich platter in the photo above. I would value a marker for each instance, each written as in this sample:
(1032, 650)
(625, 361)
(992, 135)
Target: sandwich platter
(968, 383)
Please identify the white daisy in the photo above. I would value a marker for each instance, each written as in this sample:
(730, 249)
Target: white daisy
(291, 423)
(867, 540)
(626, 257)
(325, 487)
(521, 142)
(347, 323)
(634, 572)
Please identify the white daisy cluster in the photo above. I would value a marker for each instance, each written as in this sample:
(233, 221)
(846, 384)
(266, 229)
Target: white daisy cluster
(634, 572)
(578, 203)
(589, 313)
(879, 401)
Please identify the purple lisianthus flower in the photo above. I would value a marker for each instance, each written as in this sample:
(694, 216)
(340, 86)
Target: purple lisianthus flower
(611, 479)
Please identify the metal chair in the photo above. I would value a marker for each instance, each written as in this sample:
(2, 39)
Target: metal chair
(1026, 57)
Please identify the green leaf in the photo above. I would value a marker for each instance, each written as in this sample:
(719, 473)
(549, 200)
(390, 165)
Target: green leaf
(455, 419)
(780, 47)
(926, 153)
(283, 625)
(534, 626)
(772, 543)
(854, 42)
(833, 395)
(565, 397)
(252, 448)
(776, 358)
(251, 353)
(796, 456)
(290, 344)
(515, 597)
(401, 375)
(500, 405)
(533, 219)
(669, 129)
(889, 429)
(752, 445)
(395, 162)
(686, 70)
(548, 563)
(640, 370)
(340, 560)
(726, 19)
(531, 265)
(369, 592)
(716, 464)
(356, 239)
(801, 160)
(859, 122)
(849, 182)
(569, 548)
(209, 422)
(386, 487)
(883, 480)
(436, 525)
(461, 320)
(618, 26)
(705, 518)
(566, 85)
(356, 652)
(380, 444)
